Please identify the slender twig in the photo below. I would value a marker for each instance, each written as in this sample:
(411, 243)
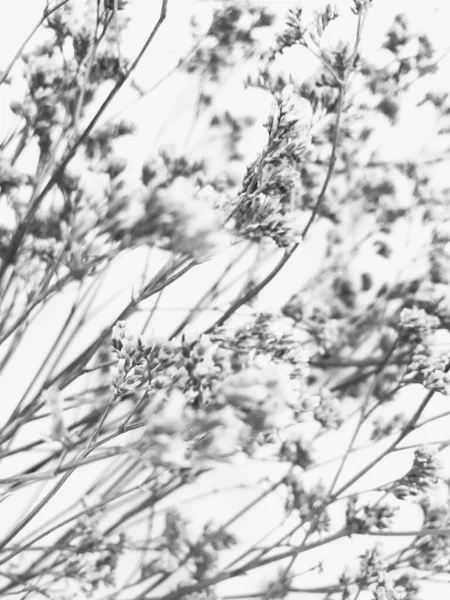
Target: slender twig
(213, 289)
(91, 447)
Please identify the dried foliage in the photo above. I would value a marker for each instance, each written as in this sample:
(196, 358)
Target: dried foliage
(319, 381)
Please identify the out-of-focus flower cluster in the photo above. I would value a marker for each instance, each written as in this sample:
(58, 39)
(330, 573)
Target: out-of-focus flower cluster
(93, 558)
(433, 551)
(399, 40)
(176, 545)
(42, 108)
(175, 208)
(308, 502)
(230, 39)
(408, 585)
(316, 319)
(10, 177)
(179, 436)
(205, 550)
(56, 70)
(62, 75)
(329, 411)
(265, 205)
(385, 427)
(270, 352)
(182, 217)
(367, 517)
(440, 252)
(386, 590)
(372, 575)
(299, 451)
(416, 324)
(247, 403)
(371, 564)
(262, 395)
(215, 396)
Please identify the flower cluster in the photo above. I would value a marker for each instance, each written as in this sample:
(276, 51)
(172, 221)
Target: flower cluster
(317, 319)
(182, 217)
(386, 590)
(230, 38)
(43, 108)
(328, 412)
(370, 566)
(408, 585)
(163, 168)
(433, 551)
(32, 264)
(298, 451)
(308, 502)
(166, 421)
(194, 368)
(264, 207)
(360, 5)
(99, 143)
(208, 399)
(132, 365)
(262, 394)
(93, 560)
(296, 32)
(204, 552)
(383, 428)
(177, 435)
(176, 545)
(415, 324)
(269, 335)
(219, 434)
(175, 534)
(422, 475)
(170, 547)
(429, 369)
(366, 517)
(10, 177)
(77, 230)
(440, 253)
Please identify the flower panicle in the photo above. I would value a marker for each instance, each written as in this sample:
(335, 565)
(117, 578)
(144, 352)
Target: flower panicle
(423, 474)
(265, 204)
